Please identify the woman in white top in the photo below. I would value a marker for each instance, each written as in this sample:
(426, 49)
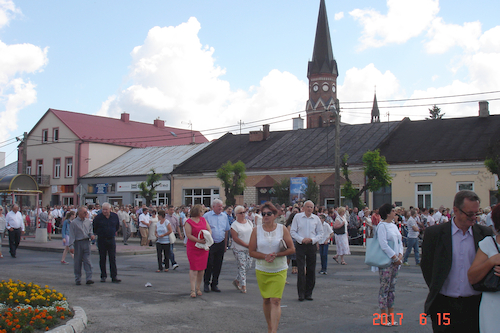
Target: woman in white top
(241, 230)
(388, 231)
(3, 222)
(152, 227)
(271, 266)
(487, 257)
(341, 239)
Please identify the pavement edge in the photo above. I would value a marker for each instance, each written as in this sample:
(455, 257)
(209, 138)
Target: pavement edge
(75, 325)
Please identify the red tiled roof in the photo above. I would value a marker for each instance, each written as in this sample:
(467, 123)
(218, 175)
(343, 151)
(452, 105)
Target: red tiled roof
(118, 132)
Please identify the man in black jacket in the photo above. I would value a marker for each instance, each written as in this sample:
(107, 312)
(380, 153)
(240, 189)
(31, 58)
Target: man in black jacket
(448, 251)
(106, 224)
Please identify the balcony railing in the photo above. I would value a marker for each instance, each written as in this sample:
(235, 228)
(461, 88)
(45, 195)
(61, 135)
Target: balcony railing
(42, 180)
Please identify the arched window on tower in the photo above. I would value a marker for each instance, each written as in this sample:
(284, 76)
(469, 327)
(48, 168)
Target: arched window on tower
(320, 121)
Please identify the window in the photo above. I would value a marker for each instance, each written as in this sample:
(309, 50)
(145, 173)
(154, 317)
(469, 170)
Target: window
(28, 167)
(69, 167)
(465, 186)
(67, 201)
(45, 135)
(39, 167)
(55, 135)
(57, 168)
(200, 196)
(424, 195)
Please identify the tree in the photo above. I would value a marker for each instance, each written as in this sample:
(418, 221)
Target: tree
(148, 187)
(233, 178)
(312, 190)
(376, 173)
(435, 113)
(492, 162)
(282, 191)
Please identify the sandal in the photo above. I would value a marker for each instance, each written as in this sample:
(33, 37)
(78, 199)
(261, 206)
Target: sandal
(166, 270)
(236, 284)
(343, 263)
(243, 290)
(158, 271)
(193, 294)
(335, 258)
(198, 292)
(294, 270)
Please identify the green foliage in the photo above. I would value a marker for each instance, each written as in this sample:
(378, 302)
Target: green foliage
(492, 162)
(376, 174)
(148, 187)
(312, 191)
(435, 113)
(282, 191)
(232, 177)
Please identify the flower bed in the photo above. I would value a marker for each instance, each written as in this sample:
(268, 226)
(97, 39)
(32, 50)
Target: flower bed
(26, 307)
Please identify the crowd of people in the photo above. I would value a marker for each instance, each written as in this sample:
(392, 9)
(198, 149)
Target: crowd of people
(275, 237)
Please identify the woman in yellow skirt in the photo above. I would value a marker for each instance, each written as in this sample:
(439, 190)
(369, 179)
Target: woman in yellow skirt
(270, 266)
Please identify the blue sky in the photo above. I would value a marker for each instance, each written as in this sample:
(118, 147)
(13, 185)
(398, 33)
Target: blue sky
(214, 63)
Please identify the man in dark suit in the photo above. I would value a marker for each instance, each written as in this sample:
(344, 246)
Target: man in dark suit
(448, 251)
(106, 224)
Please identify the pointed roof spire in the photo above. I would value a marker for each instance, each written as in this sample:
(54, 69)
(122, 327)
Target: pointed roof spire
(322, 59)
(375, 110)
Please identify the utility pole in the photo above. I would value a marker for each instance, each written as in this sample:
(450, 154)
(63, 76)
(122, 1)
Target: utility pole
(240, 123)
(337, 153)
(25, 152)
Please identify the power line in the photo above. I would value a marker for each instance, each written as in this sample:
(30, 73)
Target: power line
(424, 98)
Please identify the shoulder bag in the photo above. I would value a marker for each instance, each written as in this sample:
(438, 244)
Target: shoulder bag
(491, 282)
(375, 256)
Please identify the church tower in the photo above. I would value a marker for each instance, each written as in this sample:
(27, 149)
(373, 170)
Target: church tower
(322, 74)
(375, 111)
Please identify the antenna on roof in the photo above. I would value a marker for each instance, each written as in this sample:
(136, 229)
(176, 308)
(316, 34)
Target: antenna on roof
(190, 124)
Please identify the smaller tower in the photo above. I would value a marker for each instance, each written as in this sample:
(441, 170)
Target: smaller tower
(375, 110)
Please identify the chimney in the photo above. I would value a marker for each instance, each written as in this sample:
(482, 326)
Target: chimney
(260, 135)
(159, 123)
(298, 123)
(484, 112)
(125, 117)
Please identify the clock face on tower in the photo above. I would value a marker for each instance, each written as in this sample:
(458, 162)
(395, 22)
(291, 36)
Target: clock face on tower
(325, 87)
(333, 87)
(315, 88)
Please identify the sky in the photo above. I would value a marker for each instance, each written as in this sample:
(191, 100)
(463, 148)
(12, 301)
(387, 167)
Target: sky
(218, 65)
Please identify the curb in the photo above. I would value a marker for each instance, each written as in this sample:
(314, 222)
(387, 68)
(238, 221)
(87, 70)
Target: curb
(75, 325)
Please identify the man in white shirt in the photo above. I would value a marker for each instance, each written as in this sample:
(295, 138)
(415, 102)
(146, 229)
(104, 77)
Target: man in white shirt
(307, 231)
(15, 226)
(144, 226)
(437, 215)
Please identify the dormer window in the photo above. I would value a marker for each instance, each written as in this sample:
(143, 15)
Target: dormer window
(45, 136)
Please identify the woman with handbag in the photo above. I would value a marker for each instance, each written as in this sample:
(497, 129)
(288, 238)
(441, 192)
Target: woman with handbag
(388, 231)
(487, 259)
(241, 230)
(197, 257)
(163, 230)
(270, 243)
(341, 240)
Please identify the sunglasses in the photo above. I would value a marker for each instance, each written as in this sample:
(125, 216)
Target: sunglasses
(241, 213)
(470, 216)
(268, 214)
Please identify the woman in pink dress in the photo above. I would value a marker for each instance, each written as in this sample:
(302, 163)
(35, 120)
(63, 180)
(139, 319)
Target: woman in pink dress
(197, 257)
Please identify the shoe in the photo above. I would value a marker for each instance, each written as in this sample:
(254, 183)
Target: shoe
(236, 284)
(12, 255)
(174, 266)
(103, 279)
(125, 243)
(116, 280)
(78, 283)
(1, 255)
(198, 292)
(215, 289)
(325, 273)
(309, 298)
(301, 299)
(206, 288)
(89, 282)
(406, 264)
(193, 294)
(418, 264)
(335, 258)
(64, 262)
(320, 272)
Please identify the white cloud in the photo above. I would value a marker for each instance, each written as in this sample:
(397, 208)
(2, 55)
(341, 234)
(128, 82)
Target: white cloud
(175, 77)
(444, 36)
(405, 19)
(359, 85)
(7, 11)
(16, 61)
(339, 16)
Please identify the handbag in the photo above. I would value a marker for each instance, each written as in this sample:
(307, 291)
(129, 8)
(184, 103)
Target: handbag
(375, 256)
(490, 282)
(208, 240)
(283, 246)
(172, 237)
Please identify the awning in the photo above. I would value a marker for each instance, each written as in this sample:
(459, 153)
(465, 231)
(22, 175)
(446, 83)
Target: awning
(19, 183)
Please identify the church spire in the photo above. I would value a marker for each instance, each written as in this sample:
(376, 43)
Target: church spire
(375, 110)
(323, 61)
(322, 74)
